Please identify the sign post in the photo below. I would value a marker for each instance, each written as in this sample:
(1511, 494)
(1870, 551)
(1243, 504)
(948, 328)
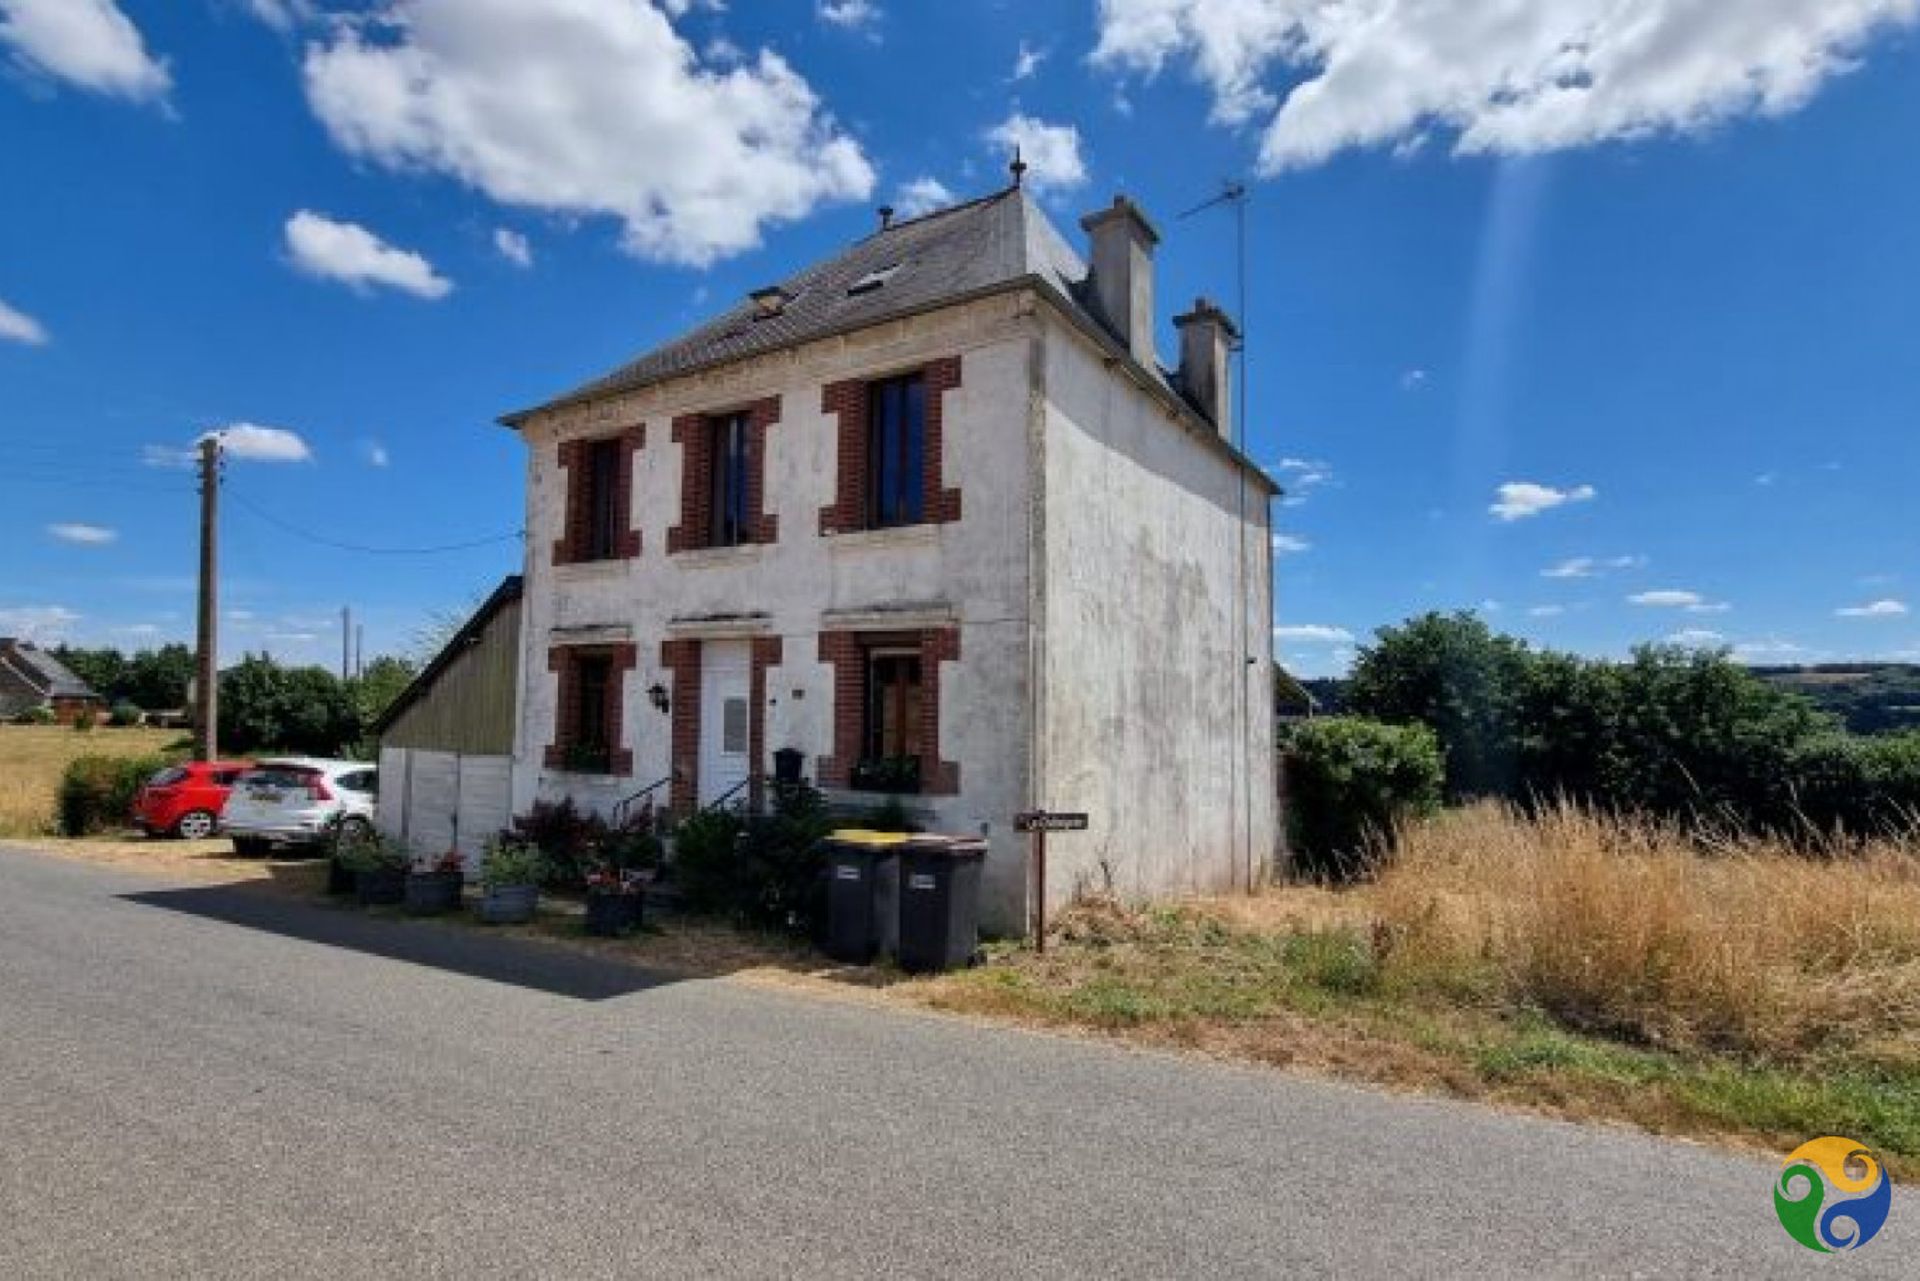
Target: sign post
(1038, 823)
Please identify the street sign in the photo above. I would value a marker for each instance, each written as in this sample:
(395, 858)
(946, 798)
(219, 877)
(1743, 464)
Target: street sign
(1044, 821)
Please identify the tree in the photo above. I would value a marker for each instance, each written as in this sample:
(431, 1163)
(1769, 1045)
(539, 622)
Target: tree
(383, 681)
(1452, 673)
(105, 670)
(157, 679)
(299, 709)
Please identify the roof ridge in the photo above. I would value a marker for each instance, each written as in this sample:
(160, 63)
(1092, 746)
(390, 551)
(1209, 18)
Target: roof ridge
(941, 212)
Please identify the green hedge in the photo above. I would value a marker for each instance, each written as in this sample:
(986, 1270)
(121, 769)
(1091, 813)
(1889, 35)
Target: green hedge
(96, 792)
(1350, 783)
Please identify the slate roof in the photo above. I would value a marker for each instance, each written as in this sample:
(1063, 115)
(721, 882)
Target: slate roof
(964, 251)
(939, 258)
(43, 671)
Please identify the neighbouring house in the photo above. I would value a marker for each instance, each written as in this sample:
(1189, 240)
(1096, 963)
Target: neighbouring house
(446, 743)
(933, 515)
(32, 679)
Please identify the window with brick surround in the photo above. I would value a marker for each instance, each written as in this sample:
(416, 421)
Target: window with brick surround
(896, 451)
(599, 483)
(886, 711)
(891, 450)
(590, 712)
(723, 462)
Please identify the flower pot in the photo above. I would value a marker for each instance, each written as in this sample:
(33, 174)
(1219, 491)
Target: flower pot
(509, 904)
(340, 878)
(431, 893)
(612, 915)
(380, 886)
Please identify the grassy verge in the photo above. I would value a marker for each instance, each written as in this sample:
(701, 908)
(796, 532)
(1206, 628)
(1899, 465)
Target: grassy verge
(33, 757)
(1572, 966)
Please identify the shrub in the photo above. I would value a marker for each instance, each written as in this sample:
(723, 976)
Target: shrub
(510, 862)
(569, 840)
(1351, 782)
(85, 719)
(890, 816)
(35, 716)
(96, 792)
(706, 864)
(123, 716)
(374, 853)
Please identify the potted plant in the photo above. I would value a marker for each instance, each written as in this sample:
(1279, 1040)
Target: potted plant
(510, 876)
(379, 870)
(615, 899)
(434, 884)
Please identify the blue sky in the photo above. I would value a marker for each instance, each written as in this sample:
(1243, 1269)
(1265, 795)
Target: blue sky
(1605, 327)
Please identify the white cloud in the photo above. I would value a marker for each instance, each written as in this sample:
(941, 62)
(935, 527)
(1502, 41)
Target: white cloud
(1591, 566)
(592, 107)
(1772, 647)
(1298, 476)
(88, 43)
(1677, 598)
(1287, 545)
(351, 254)
(83, 535)
(376, 453)
(1520, 499)
(513, 246)
(1546, 611)
(1697, 638)
(1052, 151)
(922, 195)
(168, 455)
(850, 14)
(1413, 380)
(281, 15)
(259, 444)
(1316, 633)
(18, 326)
(1875, 609)
(1515, 77)
(36, 622)
(1027, 61)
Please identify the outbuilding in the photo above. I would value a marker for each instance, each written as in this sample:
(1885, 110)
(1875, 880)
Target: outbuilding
(446, 743)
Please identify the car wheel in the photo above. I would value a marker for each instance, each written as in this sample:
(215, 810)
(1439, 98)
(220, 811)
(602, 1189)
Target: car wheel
(354, 830)
(194, 825)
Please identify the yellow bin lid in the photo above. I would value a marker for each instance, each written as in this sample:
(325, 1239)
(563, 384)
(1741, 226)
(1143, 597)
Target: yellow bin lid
(861, 836)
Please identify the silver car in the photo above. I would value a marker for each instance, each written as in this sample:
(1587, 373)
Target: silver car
(300, 801)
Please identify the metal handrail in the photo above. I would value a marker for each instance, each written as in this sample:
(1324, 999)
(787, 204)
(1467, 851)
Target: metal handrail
(621, 808)
(733, 791)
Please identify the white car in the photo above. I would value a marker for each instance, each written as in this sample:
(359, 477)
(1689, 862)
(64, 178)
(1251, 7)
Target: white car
(300, 801)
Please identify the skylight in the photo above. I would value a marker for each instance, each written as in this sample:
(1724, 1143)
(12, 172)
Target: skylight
(872, 281)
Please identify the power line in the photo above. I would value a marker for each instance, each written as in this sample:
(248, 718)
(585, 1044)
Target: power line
(362, 548)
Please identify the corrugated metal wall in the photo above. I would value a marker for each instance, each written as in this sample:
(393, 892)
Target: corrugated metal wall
(470, 708)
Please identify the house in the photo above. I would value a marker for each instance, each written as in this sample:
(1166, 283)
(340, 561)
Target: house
(446, 742)
(933, 515)
(32, 679)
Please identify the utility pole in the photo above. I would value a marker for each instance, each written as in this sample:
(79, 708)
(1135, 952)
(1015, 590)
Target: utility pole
(359, 650)
(346, 642)
(207, 680)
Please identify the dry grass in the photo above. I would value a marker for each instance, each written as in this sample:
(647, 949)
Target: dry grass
(32, 758)
(1627, 929)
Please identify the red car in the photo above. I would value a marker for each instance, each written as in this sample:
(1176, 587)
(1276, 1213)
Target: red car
(186, 800)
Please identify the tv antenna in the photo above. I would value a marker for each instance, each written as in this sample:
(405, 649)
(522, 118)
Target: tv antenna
(1234, 192)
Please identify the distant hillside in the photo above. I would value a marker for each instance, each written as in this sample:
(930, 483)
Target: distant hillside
(1872, 698)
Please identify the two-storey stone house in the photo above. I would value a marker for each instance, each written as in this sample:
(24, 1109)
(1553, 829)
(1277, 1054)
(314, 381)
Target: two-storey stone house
(932, 514)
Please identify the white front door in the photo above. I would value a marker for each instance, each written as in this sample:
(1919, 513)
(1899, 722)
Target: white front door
(724, 717)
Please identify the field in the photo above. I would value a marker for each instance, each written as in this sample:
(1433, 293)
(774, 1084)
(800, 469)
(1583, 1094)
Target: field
(32, 758)
(1575, 965)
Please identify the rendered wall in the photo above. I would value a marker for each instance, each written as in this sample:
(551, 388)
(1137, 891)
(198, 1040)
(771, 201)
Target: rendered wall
(1156, 591)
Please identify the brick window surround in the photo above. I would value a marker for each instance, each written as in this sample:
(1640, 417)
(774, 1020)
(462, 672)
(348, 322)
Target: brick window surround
(571, 547)
(694, 434)
(681, 657)
(847, 401)
(846, 652)
(564, 662)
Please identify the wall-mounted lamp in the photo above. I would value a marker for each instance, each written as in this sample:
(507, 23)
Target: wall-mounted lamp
(657, 695)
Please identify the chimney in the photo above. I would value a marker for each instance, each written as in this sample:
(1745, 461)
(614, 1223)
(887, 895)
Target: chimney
(1207, 335)
(1122, 274)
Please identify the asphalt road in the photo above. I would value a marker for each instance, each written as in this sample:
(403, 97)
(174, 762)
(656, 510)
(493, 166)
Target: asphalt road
(218, 1083)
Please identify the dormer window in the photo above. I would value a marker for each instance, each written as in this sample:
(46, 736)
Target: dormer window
(770, 301)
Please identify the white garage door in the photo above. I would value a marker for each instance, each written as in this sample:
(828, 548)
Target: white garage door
(433, 795)
(486, 803)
